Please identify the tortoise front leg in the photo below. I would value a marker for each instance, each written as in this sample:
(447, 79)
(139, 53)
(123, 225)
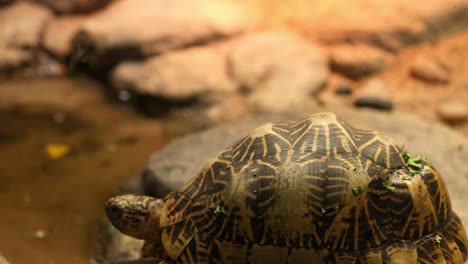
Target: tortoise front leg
(152, 250)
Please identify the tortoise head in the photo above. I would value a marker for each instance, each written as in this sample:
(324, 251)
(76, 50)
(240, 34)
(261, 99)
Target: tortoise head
(136, 216)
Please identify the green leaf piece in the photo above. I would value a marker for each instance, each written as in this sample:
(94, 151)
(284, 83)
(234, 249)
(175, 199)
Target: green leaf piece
(438, 239)
(389, 186)
(413, 163)
(357, 190)
(413, 171)
(219, 209)
(417, 158)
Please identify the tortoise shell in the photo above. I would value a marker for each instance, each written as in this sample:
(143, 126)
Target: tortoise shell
(313, 191)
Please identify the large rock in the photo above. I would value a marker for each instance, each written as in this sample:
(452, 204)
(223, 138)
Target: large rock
(178, 75)
(21, 24)
(278, 70)
(74, 6)
(140, 28)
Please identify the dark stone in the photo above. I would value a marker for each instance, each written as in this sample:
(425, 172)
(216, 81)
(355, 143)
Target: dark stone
(375, 103)
(343, 90)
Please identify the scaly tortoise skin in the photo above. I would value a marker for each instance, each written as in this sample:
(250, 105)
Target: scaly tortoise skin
(312, 191)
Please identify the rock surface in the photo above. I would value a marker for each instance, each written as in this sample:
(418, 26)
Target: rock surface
(121, 247)
(171, 167)
(374, 93)
(388, 24)
(129, 29)
(338, 92)
(59, 34)
(21, 24)
(356, 61)
(178, 74)
(73, 6)
(179, 161)
(278, 70)
(453, 112)
(427, 69)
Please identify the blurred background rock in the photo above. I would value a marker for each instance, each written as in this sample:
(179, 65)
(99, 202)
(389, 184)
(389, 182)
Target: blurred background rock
(115, 80)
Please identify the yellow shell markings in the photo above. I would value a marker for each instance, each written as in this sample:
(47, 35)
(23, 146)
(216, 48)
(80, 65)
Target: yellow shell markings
(286, 191)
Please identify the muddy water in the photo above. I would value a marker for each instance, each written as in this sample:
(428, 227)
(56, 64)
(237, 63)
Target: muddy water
(50, 208)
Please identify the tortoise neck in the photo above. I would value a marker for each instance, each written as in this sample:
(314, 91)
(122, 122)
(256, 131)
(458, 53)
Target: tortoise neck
(152, 230)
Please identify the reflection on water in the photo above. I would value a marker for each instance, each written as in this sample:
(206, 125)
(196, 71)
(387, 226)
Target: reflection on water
(50, 207)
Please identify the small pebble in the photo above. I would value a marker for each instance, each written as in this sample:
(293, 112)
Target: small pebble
(358, 60)
(428, 70)
(373, 94)
(124, 95)
(374, 103)
(343, 90)
(453, 112)
(40, 234)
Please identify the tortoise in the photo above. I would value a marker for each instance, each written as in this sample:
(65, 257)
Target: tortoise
(312, 191)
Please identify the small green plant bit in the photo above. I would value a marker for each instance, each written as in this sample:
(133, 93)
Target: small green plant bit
(219, 209)
(389, 186)
(357, 190)
(407, 178)
(438, 239)
(413, 164)
(383, 162)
